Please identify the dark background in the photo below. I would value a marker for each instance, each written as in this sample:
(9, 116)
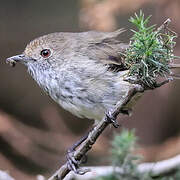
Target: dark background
(34, 131)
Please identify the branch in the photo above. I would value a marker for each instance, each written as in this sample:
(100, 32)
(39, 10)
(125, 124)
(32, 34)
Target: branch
(161, 167)
(164, 25)
(154, 169)
(5, 176)
(92, 137)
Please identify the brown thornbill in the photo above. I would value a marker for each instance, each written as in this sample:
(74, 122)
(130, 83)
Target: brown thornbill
(83, 72)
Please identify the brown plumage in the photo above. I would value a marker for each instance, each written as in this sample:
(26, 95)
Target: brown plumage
(83, 72)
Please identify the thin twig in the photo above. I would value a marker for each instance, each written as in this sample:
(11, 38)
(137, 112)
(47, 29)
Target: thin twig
(164, 25)
(5, 176)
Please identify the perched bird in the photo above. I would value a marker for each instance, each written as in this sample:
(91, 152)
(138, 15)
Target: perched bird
(83, 72)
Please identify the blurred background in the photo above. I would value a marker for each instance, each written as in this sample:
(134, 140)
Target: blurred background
(34, 132)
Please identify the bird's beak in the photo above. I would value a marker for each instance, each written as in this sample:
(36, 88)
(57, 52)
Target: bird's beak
(18, 58)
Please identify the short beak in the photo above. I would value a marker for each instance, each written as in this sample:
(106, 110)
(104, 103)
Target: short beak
(18, 58)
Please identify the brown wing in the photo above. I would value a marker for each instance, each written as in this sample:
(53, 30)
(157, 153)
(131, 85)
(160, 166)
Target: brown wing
(105, 47)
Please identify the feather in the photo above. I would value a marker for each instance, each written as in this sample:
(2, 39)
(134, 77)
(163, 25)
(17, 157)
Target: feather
(106, 48)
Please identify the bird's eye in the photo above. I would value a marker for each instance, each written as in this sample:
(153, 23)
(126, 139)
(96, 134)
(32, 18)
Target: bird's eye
(45, 53)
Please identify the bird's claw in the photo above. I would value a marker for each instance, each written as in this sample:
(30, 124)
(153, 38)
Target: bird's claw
(73, 164)
(111, 119)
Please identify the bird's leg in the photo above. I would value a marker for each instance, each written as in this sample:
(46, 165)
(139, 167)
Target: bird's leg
(73, 164)
(75, 145)
(110, 118)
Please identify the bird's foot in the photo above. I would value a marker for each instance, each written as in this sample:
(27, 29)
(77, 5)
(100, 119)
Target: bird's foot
(73, 164)
(110, 118)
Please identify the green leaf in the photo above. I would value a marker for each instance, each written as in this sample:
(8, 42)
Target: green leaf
(150, 51)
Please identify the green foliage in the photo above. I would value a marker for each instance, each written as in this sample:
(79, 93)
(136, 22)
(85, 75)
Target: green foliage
(122, 146)
(148, 57)
(150, 51)
(122, 157)
(108, 177)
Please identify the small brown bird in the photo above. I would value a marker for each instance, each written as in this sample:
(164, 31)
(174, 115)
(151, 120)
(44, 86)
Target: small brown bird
(83, 72)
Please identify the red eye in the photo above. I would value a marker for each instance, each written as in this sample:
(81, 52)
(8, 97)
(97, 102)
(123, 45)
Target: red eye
(45, 53)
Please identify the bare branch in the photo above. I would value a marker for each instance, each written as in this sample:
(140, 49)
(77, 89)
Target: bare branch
(161, 167)
(5, 176)
(164, 25)
(154, 169)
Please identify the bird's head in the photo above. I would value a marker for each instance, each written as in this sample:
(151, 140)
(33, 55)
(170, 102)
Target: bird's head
(42, 50)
